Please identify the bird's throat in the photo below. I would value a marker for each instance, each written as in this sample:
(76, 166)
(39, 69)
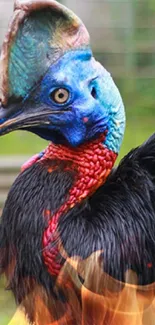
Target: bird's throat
(91, 163)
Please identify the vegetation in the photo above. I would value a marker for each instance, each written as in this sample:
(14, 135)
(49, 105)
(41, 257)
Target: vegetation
(140, 125)
(138, 129)
(131, 59)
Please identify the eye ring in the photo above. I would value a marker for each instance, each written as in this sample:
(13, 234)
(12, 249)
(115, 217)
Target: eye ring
(60, 95)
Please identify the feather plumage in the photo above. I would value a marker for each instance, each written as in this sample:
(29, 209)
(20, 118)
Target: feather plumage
(77, 238)
(111, 232)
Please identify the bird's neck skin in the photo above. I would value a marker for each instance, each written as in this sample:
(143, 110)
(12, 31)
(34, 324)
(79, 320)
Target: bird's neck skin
(92, 163)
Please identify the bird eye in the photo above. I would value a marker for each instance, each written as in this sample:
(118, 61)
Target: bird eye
(60, 96)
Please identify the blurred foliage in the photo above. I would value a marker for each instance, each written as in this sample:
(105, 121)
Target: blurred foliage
(138, 129)
(131, 59)
(124, 44)
(7, 304)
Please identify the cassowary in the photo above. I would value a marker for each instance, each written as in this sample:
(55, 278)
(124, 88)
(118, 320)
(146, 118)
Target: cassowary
(77, 236)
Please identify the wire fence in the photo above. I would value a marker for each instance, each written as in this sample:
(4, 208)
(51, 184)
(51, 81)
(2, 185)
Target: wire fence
(122, 33)
(122, 37)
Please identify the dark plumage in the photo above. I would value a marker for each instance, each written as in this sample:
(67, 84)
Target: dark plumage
(118, 219)
(77, 237)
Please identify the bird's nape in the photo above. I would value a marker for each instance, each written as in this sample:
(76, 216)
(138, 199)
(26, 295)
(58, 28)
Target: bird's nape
(68, 108)
(62, 77)
(76, 235)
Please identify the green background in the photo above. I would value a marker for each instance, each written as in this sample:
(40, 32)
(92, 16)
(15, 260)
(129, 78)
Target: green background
(123, 40)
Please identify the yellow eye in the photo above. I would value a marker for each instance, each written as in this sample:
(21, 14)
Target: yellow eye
(60, 96)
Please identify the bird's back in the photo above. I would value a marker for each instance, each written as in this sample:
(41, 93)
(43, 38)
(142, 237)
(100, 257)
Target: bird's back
(106, 240)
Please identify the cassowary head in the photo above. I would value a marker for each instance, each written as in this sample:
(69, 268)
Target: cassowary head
(50, 83)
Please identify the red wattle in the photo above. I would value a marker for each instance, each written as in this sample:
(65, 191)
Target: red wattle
(93, 163)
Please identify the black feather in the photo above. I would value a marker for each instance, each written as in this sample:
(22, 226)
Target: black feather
(23, 223)
(118, 220)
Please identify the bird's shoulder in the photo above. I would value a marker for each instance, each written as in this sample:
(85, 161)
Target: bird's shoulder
(119, 218)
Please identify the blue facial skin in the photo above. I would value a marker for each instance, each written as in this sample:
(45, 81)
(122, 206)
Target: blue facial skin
(94, 104)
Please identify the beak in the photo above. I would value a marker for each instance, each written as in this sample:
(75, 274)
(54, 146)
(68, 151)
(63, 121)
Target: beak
(12, 118)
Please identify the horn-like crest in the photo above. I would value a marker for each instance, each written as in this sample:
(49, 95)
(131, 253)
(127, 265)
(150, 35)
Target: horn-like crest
(40, 32)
